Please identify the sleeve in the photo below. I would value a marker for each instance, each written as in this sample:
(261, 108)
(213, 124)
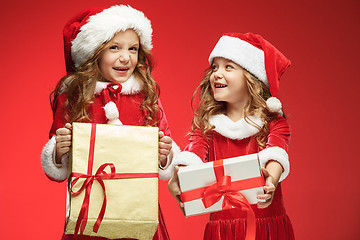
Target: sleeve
(55, 172)
(277, 145)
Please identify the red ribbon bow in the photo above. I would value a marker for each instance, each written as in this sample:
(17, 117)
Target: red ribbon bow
(222, 188)
(112, 90)
(100, 175)
(229, 190)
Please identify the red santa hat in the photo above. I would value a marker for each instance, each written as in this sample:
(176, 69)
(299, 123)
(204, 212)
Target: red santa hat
(87, 30)
(257, 56)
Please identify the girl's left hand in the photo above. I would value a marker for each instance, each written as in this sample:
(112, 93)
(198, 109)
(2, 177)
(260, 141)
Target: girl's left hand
(269, 190)
(165, 145)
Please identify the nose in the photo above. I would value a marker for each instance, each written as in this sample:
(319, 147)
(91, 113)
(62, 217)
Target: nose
(218, 74)
(124, 57)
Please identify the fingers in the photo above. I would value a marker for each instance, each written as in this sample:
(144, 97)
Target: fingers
(269, 189)
(63, 139)
(165, 145)
(161, 134)
(174, 189)
(173, 184)
(68, 126)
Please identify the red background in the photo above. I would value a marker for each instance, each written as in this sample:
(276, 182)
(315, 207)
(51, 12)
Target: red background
(319, 93)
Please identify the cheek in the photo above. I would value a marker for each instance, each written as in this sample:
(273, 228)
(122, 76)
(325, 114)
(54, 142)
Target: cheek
(134, 59)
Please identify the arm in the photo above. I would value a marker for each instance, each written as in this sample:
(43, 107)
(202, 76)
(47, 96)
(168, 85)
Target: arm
(54, 156)
(274, 160)
(195, 152)
(277, 146)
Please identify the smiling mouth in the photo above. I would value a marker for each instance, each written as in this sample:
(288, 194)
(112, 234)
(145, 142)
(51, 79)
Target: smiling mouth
(219, 85)
(121, 69)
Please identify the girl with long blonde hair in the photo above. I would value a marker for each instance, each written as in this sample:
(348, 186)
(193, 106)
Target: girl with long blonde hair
(109, 81)
(239, 114)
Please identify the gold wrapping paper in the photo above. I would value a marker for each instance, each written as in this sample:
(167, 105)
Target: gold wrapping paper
(132, 204)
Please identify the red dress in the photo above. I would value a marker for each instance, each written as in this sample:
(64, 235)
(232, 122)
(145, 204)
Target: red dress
(128, 105)
(230, 139)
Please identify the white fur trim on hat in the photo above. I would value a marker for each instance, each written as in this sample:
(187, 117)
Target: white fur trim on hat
(58, 172)
(243, 53)
(277, 154)
(236, 130)
(180, 158)
(103, 26)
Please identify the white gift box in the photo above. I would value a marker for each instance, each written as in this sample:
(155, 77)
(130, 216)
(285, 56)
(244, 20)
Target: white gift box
(201, 176)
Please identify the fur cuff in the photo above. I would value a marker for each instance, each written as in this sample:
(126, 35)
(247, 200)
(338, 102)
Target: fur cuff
(277, 154)
(180, 158)
(54, 171)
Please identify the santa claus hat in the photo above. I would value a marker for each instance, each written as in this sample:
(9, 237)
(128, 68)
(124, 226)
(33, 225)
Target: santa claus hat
(257, 56)
(87, 30)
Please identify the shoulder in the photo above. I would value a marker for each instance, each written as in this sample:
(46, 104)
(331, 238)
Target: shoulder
(279, 123)
(279, 120)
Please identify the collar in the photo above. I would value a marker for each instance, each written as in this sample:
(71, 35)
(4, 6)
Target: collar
(235, 130)
(131, 86)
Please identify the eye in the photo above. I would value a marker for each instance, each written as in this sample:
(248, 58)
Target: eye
(114, 47)
(229, 67)
(214, 67)
(133, 49)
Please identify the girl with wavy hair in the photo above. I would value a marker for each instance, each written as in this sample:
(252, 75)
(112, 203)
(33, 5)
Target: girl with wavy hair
(109, 81)
(239, 114)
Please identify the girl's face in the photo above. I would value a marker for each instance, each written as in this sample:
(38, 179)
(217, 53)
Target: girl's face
(118, 61)
(228, 81)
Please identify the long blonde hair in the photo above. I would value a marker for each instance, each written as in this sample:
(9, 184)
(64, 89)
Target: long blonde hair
(80, 87)
(208, 106)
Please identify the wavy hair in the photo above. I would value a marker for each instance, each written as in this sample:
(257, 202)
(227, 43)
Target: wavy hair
(208, 106)
(80, 86)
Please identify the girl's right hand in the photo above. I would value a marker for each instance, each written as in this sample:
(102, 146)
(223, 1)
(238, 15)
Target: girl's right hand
(174, 188)
(63, 141)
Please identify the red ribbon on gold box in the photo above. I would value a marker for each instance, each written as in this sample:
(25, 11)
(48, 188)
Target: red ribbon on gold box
(113, 204)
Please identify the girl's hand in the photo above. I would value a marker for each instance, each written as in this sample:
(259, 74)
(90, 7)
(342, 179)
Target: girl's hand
(174, 188)
(269, 190)
(165, 144)
(63, 141)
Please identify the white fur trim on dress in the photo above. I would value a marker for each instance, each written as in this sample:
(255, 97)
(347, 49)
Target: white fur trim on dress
(103, 26)
(236, 130)
(277, 154)
(181, 158)
(243, 53)
(131, 86)
(54, 171)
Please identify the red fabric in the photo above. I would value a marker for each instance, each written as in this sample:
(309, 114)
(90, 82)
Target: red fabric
(70, 31)
(271, 222)
(217, 146)
(130, 114)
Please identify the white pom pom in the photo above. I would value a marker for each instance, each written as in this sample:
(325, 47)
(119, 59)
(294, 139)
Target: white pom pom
(274, 104)
(111, 111)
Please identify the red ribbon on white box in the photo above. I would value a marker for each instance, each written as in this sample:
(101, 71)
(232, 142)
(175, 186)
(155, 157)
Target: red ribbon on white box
(223, 187)
(100, 175)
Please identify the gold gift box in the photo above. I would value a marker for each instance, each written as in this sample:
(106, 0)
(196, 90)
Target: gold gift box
(132, 203)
